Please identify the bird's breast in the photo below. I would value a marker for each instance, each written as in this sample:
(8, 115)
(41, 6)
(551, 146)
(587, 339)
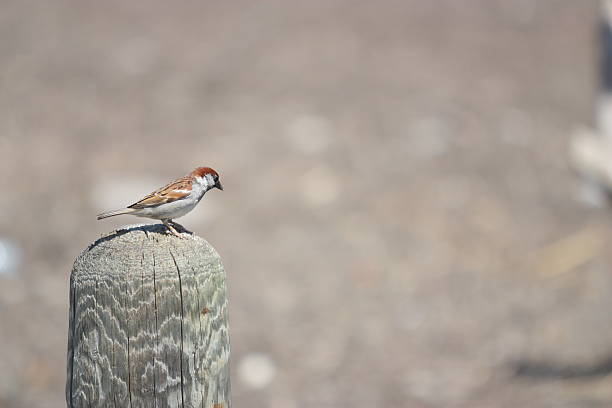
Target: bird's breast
(171, 210)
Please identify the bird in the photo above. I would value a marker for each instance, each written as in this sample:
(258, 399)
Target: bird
(173, 200)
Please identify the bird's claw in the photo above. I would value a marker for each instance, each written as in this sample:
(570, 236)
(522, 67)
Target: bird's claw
(173, 230)
(180, 227)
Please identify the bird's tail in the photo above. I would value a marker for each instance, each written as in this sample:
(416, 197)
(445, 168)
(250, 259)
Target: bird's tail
(116, 212)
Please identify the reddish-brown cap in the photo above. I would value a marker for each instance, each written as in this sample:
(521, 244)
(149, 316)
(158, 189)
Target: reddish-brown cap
(202, 171)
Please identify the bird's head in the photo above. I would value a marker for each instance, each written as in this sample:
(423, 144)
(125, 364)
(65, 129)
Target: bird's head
(209, 177)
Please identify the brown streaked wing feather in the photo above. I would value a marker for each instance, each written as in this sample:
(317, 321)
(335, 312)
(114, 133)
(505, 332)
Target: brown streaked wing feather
(166, 194)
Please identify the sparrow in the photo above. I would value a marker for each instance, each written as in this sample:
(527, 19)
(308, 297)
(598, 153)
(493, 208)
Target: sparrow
(173, 200)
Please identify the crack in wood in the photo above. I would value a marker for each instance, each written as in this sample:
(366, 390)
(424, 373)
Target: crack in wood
(156, 349)
(178, 271)
(127, 324)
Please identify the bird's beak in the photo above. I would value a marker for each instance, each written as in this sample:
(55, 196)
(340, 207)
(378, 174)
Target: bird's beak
(219, 186)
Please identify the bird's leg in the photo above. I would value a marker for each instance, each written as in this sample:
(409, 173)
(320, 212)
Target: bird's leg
(171, 228)
(179, 226)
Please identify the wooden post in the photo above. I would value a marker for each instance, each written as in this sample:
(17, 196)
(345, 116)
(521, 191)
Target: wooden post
(148, 323)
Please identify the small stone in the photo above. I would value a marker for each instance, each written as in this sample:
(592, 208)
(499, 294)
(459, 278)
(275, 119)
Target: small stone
(10, 257)
(257, 370)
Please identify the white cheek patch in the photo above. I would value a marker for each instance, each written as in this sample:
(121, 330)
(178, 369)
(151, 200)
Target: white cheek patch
(203, 182)
(209, 181)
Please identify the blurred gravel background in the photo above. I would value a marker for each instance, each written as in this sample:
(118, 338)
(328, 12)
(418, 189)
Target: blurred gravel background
(399, 224)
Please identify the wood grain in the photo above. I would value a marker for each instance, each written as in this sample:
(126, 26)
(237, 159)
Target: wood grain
(148, 324)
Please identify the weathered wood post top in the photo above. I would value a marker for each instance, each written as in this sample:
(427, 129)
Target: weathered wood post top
(148, 323)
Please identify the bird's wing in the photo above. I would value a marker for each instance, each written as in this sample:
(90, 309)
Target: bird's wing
(177, 190)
